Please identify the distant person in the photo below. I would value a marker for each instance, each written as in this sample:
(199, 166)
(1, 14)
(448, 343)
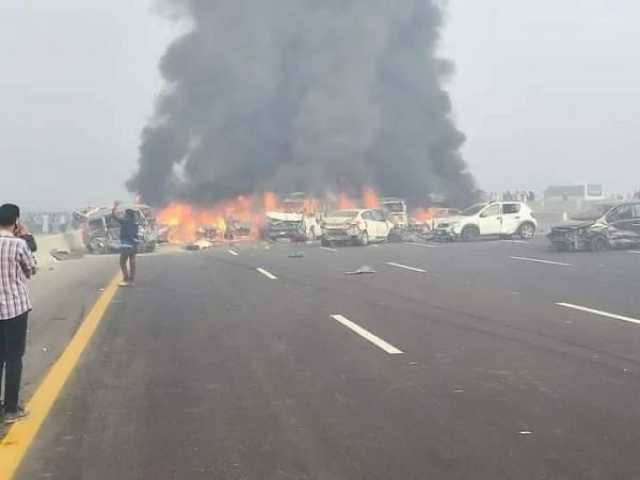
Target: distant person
(17, 265)
(128, 244)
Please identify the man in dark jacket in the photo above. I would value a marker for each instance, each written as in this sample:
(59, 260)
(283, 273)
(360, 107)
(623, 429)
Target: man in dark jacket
(128, 244)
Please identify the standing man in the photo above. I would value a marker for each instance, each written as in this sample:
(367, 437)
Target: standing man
(17, 265)
(128, 244)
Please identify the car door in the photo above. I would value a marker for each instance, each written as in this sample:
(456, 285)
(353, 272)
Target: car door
(622, 221)
(511, 218)
(636, 222)
(382, 227)
(369, 223)
(489, 220)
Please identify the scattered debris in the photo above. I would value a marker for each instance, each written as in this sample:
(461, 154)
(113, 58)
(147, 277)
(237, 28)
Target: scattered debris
(365, 269)
(57, 255)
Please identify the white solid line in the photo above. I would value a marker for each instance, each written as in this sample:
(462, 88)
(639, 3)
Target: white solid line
(269, 275)
(422, 245)
(377, 341)
(233, 252)
(599, 312)
(537, 260)
(329, 249)
(635, 251)
(406, 267)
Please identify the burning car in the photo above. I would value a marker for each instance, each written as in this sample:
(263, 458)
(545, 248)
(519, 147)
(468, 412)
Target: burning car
(297, 220)
(503, 219)
(355, 226)
(604, 226)
(101, 232)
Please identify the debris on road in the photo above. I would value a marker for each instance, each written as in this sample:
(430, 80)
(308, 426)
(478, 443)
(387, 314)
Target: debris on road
(365, 269)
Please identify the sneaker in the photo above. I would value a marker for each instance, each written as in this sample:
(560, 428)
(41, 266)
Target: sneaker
(12, 417)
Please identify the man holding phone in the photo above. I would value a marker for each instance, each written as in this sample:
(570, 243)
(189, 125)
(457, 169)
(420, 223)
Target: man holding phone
(17, 265)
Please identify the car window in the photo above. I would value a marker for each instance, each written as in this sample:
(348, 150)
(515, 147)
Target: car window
(491, 211)
(510, 208)
(623, 212)
(367, 216)
(378, 216)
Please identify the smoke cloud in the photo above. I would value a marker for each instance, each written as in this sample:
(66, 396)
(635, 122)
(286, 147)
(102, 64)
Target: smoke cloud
(302, 95)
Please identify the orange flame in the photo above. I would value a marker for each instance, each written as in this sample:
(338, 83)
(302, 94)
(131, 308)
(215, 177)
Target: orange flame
(346, 202)
(270, 201)
(370, 198)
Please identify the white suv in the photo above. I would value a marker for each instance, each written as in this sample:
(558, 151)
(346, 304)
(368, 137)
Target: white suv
(503, 219)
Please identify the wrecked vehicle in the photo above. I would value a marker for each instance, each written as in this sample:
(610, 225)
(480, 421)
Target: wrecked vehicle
(501, 219)
(101, 232)
(357, 227)
(297, 220)
(603, 227)
(237, 229)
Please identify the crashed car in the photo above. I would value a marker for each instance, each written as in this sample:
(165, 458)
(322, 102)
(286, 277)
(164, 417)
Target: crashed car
(290, 225)
(602, 227)
(101, 232)
(358, 227)
(502, 219)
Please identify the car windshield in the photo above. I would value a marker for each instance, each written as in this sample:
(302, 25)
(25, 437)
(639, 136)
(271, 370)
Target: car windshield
(394, 207)
(592, 213)
(468, 212)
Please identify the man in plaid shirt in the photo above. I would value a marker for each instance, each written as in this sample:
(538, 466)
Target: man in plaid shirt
(17, 265)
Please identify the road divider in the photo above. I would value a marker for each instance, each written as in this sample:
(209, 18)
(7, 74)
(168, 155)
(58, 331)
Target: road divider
(406, 267)
(600, 313)
(266, 273)
(539, 260)
(22, 434)
(377, 341)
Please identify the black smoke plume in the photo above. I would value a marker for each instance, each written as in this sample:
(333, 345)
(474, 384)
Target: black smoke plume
(303, 95)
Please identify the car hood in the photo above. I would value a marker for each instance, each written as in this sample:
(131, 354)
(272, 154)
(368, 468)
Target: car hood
(339, 220)
(284, 217)
(573, 226)
(452, 219)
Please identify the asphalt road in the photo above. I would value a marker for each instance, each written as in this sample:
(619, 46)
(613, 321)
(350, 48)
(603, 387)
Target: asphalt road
(491, 360)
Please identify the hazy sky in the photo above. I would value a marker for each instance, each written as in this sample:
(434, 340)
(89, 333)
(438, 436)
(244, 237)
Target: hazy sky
(546, 91)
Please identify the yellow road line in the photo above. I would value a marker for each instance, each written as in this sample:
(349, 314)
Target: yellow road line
(15, 444)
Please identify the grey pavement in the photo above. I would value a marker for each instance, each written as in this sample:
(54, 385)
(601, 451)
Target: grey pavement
(211, 369)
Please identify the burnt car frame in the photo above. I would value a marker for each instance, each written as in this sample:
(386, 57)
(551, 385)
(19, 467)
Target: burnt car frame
(607, 226)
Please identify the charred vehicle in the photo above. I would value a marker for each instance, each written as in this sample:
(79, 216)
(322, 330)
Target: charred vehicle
(297, 220)
(101, 232)
(604, 226)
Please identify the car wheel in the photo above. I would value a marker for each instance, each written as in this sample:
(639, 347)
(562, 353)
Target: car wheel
(600, 244)
(527, 231)
(363, 240)
(470, 233)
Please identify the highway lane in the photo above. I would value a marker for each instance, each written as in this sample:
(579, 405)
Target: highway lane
(211, 369)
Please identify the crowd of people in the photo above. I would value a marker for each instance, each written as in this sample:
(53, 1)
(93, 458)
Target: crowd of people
(525, 196)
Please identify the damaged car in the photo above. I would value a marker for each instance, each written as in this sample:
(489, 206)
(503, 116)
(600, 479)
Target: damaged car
(356, 227)
(101, 231)
(603, 227)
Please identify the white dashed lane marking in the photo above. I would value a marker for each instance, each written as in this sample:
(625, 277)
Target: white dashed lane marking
(377, 341)
(266, 273)
(406, 267)
(539, 260)
(600, 313)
